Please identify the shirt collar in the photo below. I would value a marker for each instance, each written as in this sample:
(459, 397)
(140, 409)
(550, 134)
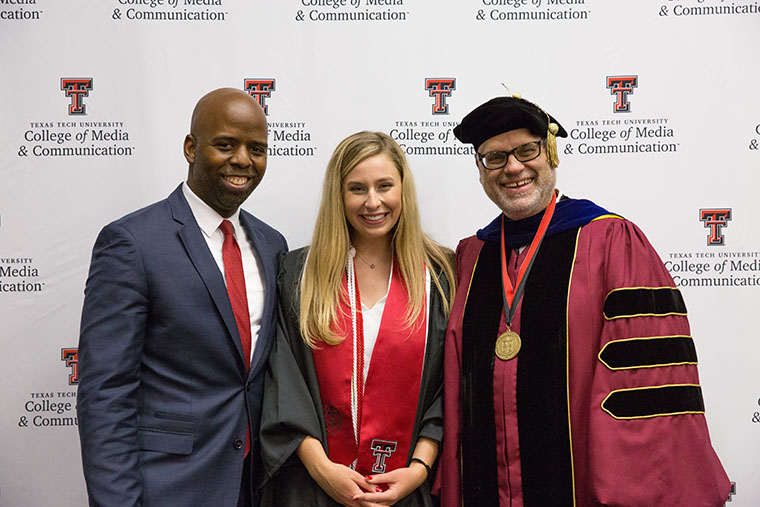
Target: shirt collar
(208, 219)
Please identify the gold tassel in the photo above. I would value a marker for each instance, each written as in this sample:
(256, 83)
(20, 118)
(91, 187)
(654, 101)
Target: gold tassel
(551, 145)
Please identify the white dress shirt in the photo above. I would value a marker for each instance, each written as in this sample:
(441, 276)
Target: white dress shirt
(209, 222)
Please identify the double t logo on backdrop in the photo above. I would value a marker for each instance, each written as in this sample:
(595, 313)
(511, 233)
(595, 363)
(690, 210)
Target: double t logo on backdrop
(621, 87)
(70, 357)
(77, 88)
(715, 220)
(440, 88)
(260, 89)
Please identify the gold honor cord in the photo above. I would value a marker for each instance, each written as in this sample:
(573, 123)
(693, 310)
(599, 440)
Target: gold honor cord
(508, 344)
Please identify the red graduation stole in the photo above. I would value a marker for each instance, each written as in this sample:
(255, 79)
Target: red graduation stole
(387, 403)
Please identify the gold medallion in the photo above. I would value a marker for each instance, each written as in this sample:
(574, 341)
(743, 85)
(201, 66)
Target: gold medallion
(508, 345)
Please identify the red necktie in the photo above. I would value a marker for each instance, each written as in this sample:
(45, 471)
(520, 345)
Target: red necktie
(233, 273)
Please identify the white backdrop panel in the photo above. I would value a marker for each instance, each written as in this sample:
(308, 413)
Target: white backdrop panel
(337, 70)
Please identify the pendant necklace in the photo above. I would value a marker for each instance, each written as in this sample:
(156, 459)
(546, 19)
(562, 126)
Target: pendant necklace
(371, 265)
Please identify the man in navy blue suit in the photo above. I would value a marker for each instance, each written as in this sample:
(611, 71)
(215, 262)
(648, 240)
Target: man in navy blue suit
(169, 397)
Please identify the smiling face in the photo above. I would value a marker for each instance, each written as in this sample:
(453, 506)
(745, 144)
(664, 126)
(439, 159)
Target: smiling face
(520, 189)
(372, 198)
(226, 149)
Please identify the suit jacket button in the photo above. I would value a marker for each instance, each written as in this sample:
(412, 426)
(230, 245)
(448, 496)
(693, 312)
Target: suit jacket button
(237, 444)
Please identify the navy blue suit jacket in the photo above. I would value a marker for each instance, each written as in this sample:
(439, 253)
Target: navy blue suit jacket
(164, 400)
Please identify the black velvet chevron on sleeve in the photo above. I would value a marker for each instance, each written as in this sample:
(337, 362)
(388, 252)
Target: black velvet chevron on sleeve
(654, 401)
(643, 301)
(648, 352)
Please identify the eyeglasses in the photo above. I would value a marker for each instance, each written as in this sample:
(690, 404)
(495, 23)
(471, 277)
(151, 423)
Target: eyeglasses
(523, 153)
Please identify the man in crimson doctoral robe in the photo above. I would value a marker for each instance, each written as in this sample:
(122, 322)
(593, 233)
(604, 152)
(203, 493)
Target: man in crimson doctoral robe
(570, 371)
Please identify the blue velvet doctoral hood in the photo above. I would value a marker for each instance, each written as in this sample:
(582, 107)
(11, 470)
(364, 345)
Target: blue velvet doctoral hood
(568, 214)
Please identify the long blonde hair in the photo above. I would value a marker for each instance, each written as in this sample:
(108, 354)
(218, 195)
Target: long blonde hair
(323, 271)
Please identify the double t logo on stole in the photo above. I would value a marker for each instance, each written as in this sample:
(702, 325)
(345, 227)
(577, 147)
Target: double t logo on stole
(381, 449)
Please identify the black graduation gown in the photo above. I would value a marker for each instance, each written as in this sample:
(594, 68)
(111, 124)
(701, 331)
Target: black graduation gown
(292, 407)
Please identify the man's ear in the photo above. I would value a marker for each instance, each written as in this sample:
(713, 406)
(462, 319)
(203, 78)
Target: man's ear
(188, 148)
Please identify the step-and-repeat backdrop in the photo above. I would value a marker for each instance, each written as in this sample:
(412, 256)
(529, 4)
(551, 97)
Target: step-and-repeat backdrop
(659, 98)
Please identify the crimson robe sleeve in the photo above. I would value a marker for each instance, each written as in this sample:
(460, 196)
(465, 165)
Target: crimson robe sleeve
(640, 437)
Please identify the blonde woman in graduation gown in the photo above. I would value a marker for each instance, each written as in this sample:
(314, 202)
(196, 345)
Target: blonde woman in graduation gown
(352, 410)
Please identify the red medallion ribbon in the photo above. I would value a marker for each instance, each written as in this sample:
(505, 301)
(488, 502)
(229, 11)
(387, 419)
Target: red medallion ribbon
(512, 295)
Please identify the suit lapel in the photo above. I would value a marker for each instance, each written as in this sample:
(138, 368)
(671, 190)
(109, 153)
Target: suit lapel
(197, 249)
(267, 258)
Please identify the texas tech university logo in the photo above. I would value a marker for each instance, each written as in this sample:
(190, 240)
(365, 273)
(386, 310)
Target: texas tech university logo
(77, 88)
(715, 220)
(381, 449)
(260, 89)
(70, 357)
(439, 89)
(621, 87)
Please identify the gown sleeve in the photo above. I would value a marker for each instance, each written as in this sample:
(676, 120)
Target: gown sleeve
(430, 410)
(647, 437)
(291, 404)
